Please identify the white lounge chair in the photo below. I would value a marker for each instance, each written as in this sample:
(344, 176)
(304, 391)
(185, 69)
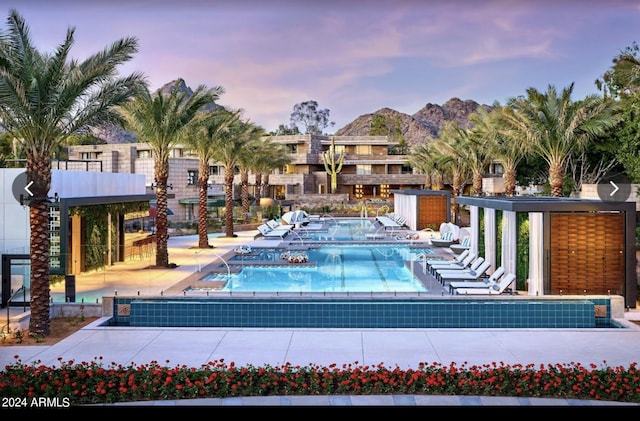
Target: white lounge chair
(445, 241)
(267, 232)
(481, 283)
(495, 289)
(464, 264)
(459, 258)
(464, 275)
(459, 248)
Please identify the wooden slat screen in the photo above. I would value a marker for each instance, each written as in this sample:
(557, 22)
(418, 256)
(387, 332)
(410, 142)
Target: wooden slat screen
(587, 253)
(432, 210)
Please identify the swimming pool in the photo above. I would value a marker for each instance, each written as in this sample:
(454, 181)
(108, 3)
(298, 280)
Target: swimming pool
(320, 268)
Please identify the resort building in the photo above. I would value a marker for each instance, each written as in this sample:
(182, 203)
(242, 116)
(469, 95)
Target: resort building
(373, 167)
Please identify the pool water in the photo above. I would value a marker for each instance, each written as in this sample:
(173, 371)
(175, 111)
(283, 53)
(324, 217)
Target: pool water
(323, 268)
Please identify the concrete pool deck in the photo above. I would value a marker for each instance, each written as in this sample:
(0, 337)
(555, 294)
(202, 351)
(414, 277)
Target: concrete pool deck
(404, 348)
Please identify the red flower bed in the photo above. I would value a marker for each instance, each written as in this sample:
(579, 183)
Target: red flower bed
(91, 382)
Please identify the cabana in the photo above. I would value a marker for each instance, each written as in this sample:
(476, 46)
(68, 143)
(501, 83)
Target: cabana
(575, 247)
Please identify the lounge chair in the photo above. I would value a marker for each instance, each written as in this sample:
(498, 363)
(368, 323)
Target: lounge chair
(445, 241)
(475, 272)
(267, 232)
(459, 248)
(465, 275)
(481, 283)
(465, 263)
(495, 289)
(459, 258)
(275, 225)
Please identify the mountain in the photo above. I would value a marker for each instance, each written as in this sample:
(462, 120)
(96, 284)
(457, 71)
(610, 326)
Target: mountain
(420, 127)
(113, 134)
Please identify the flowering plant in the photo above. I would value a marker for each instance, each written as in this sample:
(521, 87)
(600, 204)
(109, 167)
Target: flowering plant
(91, 382)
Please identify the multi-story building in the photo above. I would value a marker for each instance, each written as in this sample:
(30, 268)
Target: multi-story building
(373, 167)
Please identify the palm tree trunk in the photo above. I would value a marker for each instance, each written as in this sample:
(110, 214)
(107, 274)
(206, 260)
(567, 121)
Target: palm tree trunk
(244, 191)
(258, 187)
(39, 171)
(428, 181)
(439, 181)
(477, 184)
(203, 178)
(162, 226)
(265, 186)
(509, 177)
(228, 202)
(455, 206)
(556, 178)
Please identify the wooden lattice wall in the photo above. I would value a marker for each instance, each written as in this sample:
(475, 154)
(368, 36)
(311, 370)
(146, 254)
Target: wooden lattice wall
(432, 210)
(587, 253)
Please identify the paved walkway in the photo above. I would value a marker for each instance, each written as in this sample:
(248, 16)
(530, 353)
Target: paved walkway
(405, 348)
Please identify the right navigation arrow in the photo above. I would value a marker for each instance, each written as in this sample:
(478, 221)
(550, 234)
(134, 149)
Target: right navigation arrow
(615, 188)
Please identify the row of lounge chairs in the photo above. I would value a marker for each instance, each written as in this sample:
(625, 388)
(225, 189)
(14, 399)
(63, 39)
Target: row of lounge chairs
(391, 221)
(467, 275)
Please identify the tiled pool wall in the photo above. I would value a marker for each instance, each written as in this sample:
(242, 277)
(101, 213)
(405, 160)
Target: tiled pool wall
(359, 313)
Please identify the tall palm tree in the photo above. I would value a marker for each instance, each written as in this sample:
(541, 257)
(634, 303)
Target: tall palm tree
(555, 127)
(161, 119)
(422, 159)
(246, 158)
(229, 147)
(452, 145)
(44, 98)
(201, 139)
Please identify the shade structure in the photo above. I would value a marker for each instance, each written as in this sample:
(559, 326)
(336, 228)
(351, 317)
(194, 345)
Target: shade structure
(153, 211)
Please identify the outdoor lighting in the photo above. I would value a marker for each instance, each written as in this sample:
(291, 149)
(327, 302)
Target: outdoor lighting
(384, 190)
(358, 191)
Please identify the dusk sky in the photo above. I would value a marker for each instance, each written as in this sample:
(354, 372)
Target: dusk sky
(353, 57)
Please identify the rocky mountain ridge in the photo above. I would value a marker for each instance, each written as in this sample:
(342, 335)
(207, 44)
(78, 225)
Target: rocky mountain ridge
(420, 127)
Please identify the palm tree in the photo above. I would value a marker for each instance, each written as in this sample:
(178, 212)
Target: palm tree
(271, 155)
(246, 158)
(422, 159)
(503, 143)
(555, 127)
(44, 98)
(228, 150)
(201, 139)
(452, 145)
(161, 119)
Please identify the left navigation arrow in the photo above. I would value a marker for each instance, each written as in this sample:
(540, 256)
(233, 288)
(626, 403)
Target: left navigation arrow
(27, 188)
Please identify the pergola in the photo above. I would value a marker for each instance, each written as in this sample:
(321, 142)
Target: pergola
(576, 246)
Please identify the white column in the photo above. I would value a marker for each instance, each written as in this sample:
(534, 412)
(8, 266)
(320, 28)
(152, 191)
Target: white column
(509, 241)
(536, 253)
(474, 215)
(490, 236)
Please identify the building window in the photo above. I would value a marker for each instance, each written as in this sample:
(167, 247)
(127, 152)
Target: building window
(90, 155)
(192, 177)
(363, 169)
(215, 170)
(144, 154)
(363, 149)
(291, 148)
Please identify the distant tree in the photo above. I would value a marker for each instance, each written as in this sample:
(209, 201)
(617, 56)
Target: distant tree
(284, 130)
(378, 126)
(312, 119)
